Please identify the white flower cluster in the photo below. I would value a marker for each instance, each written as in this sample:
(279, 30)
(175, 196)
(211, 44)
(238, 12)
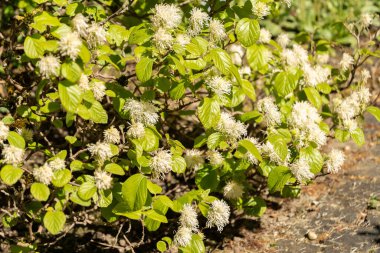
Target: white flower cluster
(335, 161)
(233, 190)
(57, 164)
(301, 170)
(215, 158)
(111, 135)
(305, 120)
(161, 163)
(219, 85)
(315, 75)
(163, 39)
(49, 66)
(231, 128)
(346, 62)
(96, 35)
(217, 30)
(136, 131)
(272, 115)
(141, 112)
(267, 150)
(198, 20)
(80, 25)
(265, 36)
(297, 56)
(237, 54)
(167, 16)
(103, 180)
(70, 45)
(261, 10)
(194, 159)
(101, 151)
(218, 215)
(364, 76)
(43, 174)
(352, 106)
(12, 155)
(182, 39)
(84, 83)
(288, 2)
(283, 40)
(4, 131)
(98, 89)
(188, 224)
(366, 20)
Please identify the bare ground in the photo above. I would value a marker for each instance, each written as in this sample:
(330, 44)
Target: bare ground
(336, 213)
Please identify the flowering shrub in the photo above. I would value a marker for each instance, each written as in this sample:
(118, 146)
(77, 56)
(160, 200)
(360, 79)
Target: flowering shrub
(170, 112)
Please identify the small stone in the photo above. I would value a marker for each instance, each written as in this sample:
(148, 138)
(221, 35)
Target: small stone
(311, 235)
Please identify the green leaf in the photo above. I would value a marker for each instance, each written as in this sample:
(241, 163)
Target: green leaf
(54, 221)
(70, 95)
(93, 110)
(61, 178)
(248, 89)
(16, 140)
(71, 71)
(122, 208)
(150, 141)
(279, 145)
(10, 175)
(247, 31)
(255, 206)
(313, 96)
(105, 198)
(43, 20)
(77, 200)
(258, 57)
(33, 48)
(116, 34)
(222, 61)
(207, 178)
(76, 165)
(161, 246)
(209, 112)
(114, 169)
(342, 135)
(249, 146)
(236, 97)
(278, 177)
(285, 83)
(84, 53)
(71, 139)
(196, 245)
(40, 191)
(138, 36)
(324, 88)
(153, 188)
(358, 136)
(86, 190)
(144, 69)
(152, 214)
(314, 158)
(177, 91)
(178, 164)
(135, 192)
(214, 139)
(374, 111)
